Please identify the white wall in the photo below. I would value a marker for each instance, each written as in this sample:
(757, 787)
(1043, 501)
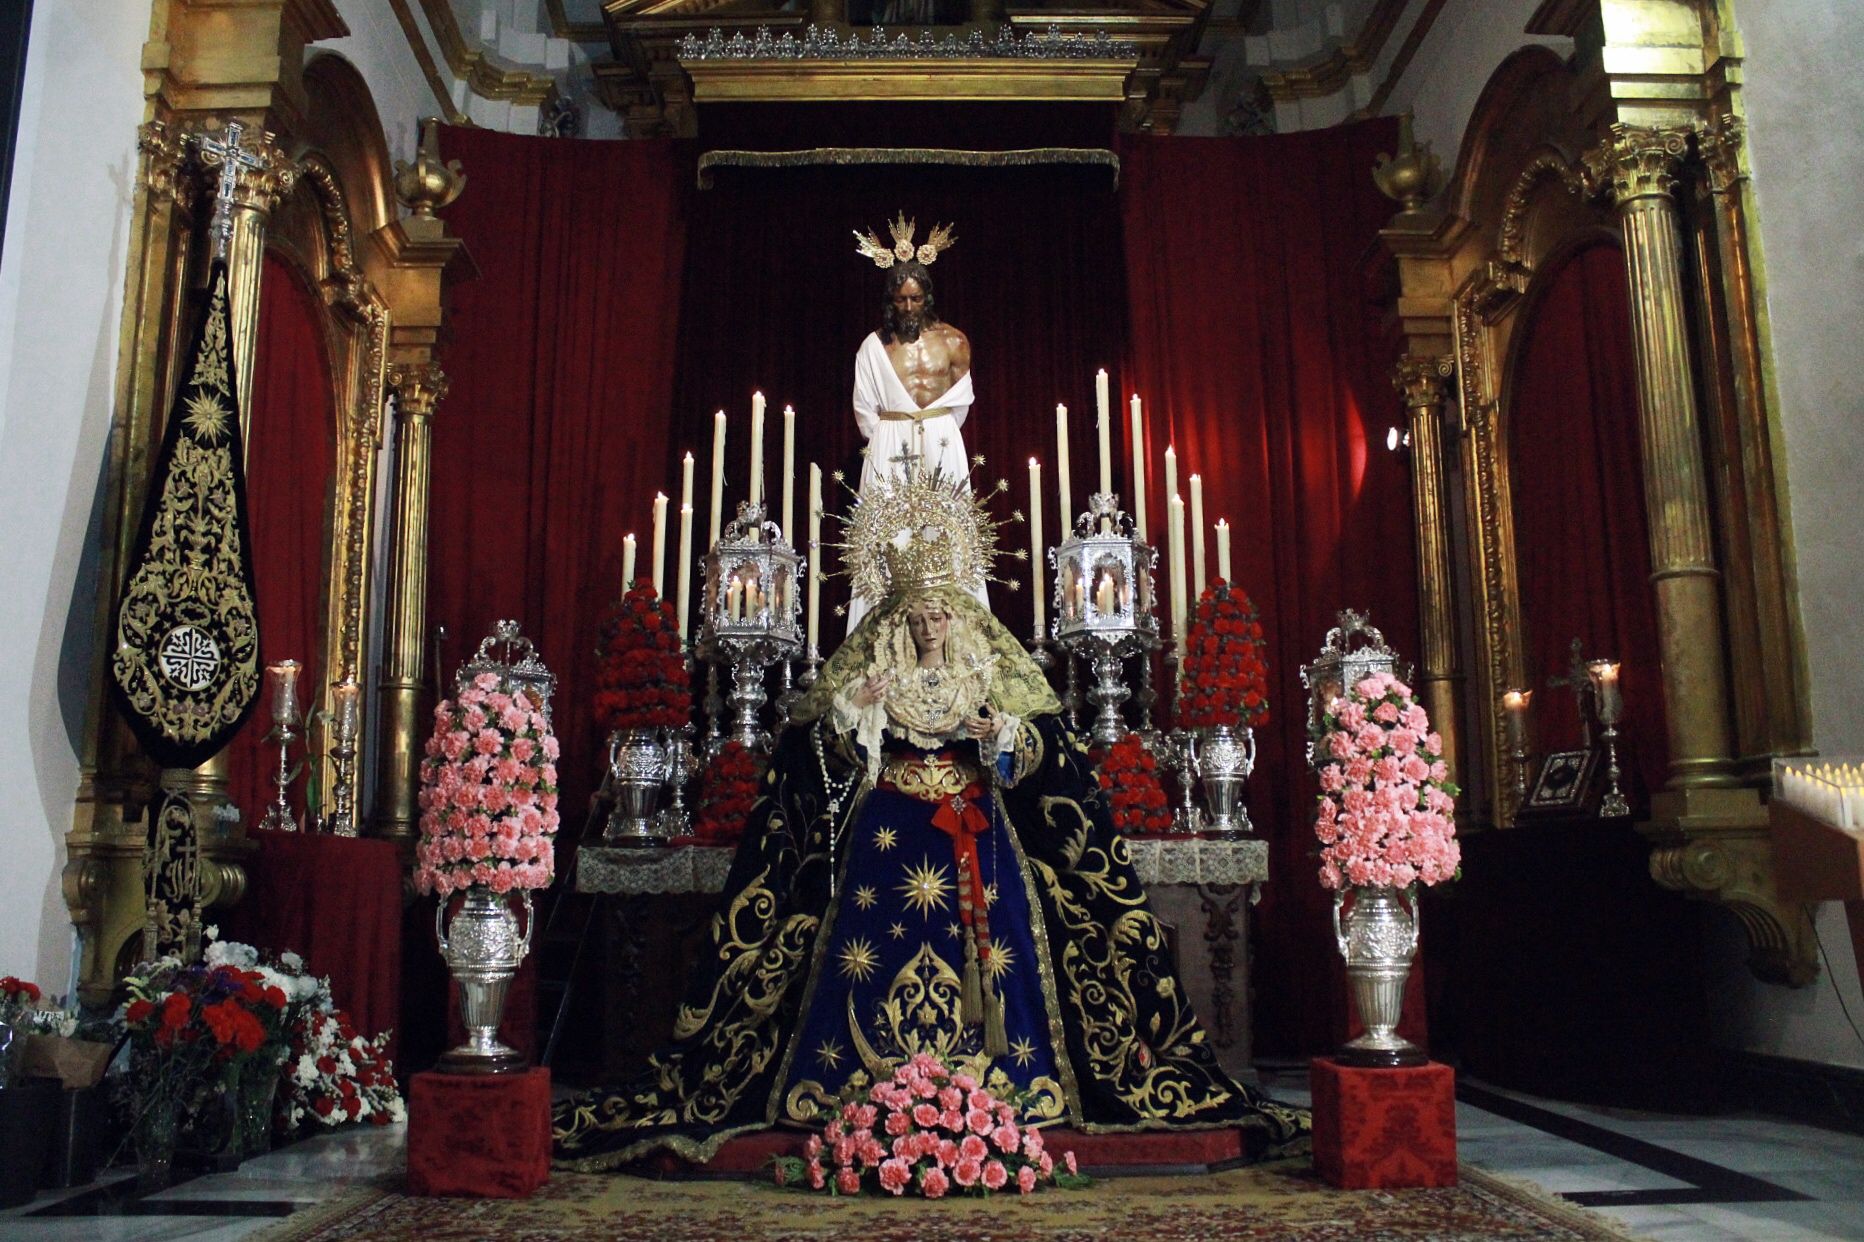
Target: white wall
(380, 52)
(1804, 99)
(61, 288)
(1465, 43)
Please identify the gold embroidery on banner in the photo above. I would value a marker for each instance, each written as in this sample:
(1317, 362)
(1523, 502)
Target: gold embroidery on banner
(190, 584)
(935, 778)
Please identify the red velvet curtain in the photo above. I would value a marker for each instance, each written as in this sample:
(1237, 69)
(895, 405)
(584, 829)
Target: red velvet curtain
(290, 458)
(1255, 350)
(1582, 547)
(556, 428)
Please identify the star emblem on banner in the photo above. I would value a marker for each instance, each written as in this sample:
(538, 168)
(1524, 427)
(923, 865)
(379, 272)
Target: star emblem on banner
(829, 1053)
(865, 896)
(1024, 1050)
(1000, 962)
(885, 839)
(858, 960)
(897, 931)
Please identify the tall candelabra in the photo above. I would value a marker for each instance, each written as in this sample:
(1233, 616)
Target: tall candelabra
(346, 696)
(1104, 605)
(279, 817)
(1604, 674)
(750, 621)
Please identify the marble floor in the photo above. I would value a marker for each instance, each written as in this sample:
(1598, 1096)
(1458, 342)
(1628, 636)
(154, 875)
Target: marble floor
(1691, 1179)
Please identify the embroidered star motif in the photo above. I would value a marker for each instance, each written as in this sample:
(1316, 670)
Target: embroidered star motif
(858, 960)
(885, 839)
(957, 931)
(926, 887)
(829, 1054)
(1000, 962)
(207, 417)
(990, 894)
(897, 931)
(865, 896)
(1024, 1050)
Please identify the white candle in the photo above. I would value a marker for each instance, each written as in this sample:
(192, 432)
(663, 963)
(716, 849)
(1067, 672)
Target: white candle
(1171, 470)
(660, 544)
(1139, 471)
(734, 609)
(284, 676)
(344, 694)
(1514, 702)
(718, 476)
(789, 475)
(815, 550)
(1104, 597)
(1104, 425)
(757, 447)
(1197, 533)
(1174, 538)
(685, 574)
(686, 480)
(1223, 549)
(1036, 551)
(627, 563)
(1061, 469)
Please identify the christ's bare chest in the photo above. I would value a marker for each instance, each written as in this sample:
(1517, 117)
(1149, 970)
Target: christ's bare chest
(924, 367)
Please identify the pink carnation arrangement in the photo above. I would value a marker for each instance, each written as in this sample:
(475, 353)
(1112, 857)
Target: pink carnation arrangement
(1386, 801)
(932, 1132)
(488, 794)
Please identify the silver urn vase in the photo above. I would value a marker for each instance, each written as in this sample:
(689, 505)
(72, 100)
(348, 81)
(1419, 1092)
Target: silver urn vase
(482, 950)
(1377, 935)
(639, 762)
(1225, 758)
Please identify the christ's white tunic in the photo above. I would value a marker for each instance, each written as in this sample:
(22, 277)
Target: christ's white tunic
(896, 426)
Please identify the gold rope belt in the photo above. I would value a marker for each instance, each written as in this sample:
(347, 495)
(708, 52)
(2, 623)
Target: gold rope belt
(938, 778)
(911, 416)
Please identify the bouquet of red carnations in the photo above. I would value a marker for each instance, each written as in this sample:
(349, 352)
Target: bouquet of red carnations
(1129, 774)
(642, 682)
(727, 792)
(333, 1074)
(1225, 675)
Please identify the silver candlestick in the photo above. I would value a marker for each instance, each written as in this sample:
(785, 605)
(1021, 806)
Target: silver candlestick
(1604, 675)
(342, 821)
(279, 817)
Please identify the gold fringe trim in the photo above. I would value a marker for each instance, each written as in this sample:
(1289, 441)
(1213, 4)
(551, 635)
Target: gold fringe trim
(849, 157)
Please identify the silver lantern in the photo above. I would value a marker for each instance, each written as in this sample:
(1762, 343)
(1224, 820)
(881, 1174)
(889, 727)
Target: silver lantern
(1377, 935)
(482, 948)
(752, 611)
(1104, 605)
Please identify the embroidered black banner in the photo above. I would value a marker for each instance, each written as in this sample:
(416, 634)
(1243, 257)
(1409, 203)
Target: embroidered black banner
(186, 665)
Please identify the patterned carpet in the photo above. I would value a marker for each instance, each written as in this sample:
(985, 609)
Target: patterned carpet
(1284, 1201)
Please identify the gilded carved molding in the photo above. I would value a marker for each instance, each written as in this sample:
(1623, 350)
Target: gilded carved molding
(1423, 380)
(1547, 166)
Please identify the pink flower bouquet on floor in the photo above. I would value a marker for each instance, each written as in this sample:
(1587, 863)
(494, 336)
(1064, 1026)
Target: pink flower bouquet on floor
(1386, 801)
(932, 1132)
(488, 794)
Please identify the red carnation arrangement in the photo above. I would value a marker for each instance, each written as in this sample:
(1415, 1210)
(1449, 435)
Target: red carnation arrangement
(727, 791)
(1226, 664)
(642, 682)
(1129, 774)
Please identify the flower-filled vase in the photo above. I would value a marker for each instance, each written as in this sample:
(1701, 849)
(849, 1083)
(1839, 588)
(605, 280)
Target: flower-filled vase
(1385, 826)
(1225, 758)
(1222, 699)
(643, 693)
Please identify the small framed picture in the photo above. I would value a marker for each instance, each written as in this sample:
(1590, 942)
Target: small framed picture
(1564, 784)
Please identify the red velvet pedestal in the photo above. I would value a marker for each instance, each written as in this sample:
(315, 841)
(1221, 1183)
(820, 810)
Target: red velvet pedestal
(479, 1134)
(1381, 1129)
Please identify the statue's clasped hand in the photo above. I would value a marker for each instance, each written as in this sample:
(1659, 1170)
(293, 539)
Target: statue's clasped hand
(981, 727)
(873, 690)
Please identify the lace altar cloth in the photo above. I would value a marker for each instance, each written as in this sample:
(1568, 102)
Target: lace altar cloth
(702, 868)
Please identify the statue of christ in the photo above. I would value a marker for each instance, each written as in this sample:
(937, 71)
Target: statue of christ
(912, 391)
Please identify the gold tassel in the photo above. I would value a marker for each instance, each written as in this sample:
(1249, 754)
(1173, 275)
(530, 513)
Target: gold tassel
(973, 1002)
(996, 1038)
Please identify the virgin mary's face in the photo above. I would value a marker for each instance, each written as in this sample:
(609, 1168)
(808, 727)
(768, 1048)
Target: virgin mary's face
(928, 623)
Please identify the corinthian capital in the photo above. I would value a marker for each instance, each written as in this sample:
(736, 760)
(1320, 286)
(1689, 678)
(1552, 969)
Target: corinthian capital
(1721, 147)
(1423, 379)
(1637, 161)
(418, 387)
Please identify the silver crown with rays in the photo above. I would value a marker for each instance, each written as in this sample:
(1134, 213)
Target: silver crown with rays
(921, 529)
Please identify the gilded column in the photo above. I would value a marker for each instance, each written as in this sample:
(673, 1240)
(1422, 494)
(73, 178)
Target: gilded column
(1423, 380)
(1640, 168)
(418, 388)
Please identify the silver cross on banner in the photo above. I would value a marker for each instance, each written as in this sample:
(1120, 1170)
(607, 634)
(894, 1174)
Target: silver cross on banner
(233, 160)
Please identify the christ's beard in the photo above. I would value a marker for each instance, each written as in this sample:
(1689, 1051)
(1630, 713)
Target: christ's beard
(907, 327)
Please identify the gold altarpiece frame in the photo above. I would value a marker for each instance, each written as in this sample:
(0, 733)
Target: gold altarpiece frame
(327, 206)
(1559, 155)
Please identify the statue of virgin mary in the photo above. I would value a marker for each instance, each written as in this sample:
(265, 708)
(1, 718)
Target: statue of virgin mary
(931, 868)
